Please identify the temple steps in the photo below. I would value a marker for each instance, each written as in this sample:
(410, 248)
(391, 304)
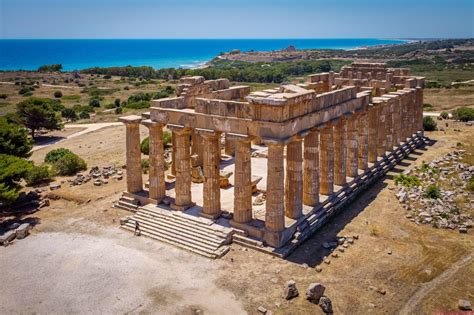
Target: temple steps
(194, 234)
(127, 203)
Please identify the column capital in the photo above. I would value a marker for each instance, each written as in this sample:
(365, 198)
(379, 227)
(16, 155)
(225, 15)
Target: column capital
(207, 133)
(131, 119)
(275, 142)
(151, 124)
(180, 130)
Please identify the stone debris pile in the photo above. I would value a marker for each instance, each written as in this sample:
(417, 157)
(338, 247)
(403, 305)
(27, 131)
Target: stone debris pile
(15, 230)
(99, 176)
(438, 193)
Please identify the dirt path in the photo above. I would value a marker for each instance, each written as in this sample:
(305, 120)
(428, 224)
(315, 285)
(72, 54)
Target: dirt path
(88, 128)
(426, 288)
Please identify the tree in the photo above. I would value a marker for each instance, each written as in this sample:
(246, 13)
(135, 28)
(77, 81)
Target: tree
(36, 113)
(69, 114)
(117, 102)
(58, 94)
(51, 68)
(94, 102)
(14, 139)
(84, 115)
(12, 170)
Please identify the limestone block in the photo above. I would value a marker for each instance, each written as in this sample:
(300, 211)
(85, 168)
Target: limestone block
(224, 179)
(197, 175)
(22, 231)
(7, 237)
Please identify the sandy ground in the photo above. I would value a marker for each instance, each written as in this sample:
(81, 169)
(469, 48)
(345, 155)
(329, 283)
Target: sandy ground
(77, 260)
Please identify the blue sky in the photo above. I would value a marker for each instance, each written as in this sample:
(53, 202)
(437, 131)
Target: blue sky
(236, 18)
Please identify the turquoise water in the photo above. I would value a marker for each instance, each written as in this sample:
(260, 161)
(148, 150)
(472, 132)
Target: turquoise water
(158, 53)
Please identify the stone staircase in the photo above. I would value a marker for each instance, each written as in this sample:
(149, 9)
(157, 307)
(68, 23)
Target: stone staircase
(195, 234)
(127, 203)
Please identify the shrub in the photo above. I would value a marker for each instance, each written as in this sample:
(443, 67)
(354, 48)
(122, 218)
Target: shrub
(84, 115)
(3, 96)
(145, 165)
(118, 110)
(427, 107)
(444, 115)
(126, 88)
(107, 76)
(429, 124)
(117, 102)
(407, 180)
(69, 114)
(137, 105)
(94, 102)
(54, 155)
(167, 138)
(69, 164)
(145, 146)
(12, 170)
(433, 192)
(470, 184)
(24, 90)
(38, 174)
(464, 114)
(58, 94)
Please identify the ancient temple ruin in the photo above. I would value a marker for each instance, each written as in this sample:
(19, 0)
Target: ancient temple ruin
(315, 146)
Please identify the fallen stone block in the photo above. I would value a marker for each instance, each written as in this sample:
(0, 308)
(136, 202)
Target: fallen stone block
(22, 231)
(290, 291)
(314, 292)
(7, 237)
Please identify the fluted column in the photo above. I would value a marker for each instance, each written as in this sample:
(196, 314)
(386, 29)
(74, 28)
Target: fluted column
(211, 189)
(183, 169)
(173, 153)
(156, 188)
(363, 143)
(372, 136)
(326, 160)
(381, 132)
(294, 179)
(311, 169)
(340, 152)
(419, 93)
(352, 147)
(133, 155)
(275, 203)
(242, 181)
(404, 117)
(389, 124)
(396, 122)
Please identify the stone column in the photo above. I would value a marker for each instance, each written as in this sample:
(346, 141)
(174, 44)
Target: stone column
(311, 169)
(326, 160)
(197, 148)
(396, 121)
(229, 148)
(211, 189)
(134, 168)
(389, 125)
(352, 147)
(294, 179)
(340, 152)
(242, 181)
(183, 169)
(363, 143)
(381, 131)
(156, 189)
(419, 93)
(275, 204)
(173, 153)
(372, 136)
(404, 117)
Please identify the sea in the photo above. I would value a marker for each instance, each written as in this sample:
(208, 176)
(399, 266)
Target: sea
(77, 54)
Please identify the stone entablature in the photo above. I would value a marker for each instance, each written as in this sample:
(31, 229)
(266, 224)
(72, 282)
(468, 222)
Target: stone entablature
(318, 142)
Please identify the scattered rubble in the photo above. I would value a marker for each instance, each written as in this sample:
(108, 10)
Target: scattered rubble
(445, 210)
(325, 304)
(314, 292)
(464, 305)
(290, 291)
(99, 176)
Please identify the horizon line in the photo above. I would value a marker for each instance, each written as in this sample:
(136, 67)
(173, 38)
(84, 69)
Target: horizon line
(238, 38)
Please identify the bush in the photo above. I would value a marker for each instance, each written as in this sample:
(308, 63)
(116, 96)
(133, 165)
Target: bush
(58, 94)
(117, 102)
(118, 110)
(69, 114)
(145, 165)
(407, 180)
(84, 115)
(69, 164)
(24, 90)
(38, 174)
(54, 155)
(94, 102)
(145, 146)
(433, 192)
(464, 114)
(429, 124)
(427, 107)
(3, 96)
(444, 115)
(167, 138)
(137, 105)
(470, 184)
(12, 170)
